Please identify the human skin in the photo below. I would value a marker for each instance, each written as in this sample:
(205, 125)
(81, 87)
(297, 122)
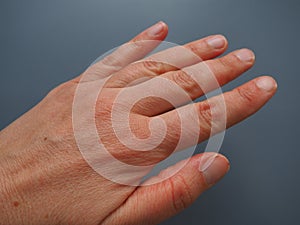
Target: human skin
(44, 178)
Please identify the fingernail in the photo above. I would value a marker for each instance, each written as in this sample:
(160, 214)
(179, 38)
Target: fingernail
(266, 83)
(213, 167)
(156, 29)
(216, 42)
(245, 55)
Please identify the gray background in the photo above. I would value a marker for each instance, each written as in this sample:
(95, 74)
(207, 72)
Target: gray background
(43, 43)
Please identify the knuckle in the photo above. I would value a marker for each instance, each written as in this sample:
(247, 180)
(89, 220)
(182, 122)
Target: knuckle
(186, 82)
(173, 133)
(194, 49)
(228, 64)
(136, 44)
(155, 68)
(181, 193)
(195, 52)
(205, 117)
(108, 60)
(180, 77)
(113, 62)
(246, 95)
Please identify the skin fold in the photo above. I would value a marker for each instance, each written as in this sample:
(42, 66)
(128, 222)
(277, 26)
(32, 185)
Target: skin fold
(44, 178)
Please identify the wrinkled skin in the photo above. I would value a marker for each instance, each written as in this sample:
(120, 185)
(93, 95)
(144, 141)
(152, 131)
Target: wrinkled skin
(45, 179)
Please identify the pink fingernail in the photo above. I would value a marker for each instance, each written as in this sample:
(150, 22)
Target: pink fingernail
(245, 55)
(217, 42)
(266, 83)
(156, 29)
(214, 167)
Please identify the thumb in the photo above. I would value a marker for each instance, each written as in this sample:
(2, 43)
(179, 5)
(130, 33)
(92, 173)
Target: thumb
(155, 203)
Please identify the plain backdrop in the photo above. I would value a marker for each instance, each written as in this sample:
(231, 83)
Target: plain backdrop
(43, 43)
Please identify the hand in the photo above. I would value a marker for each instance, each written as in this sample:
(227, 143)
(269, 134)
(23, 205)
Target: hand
(46, 178)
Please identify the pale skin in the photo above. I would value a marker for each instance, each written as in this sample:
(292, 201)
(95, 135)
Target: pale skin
(45, 180)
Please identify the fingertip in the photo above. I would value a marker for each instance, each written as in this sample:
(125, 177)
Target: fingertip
(165, 29)
(213, 166)
(157, 30)
(266, 83)
(165, 25)
(217, 42)
(245, 55)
